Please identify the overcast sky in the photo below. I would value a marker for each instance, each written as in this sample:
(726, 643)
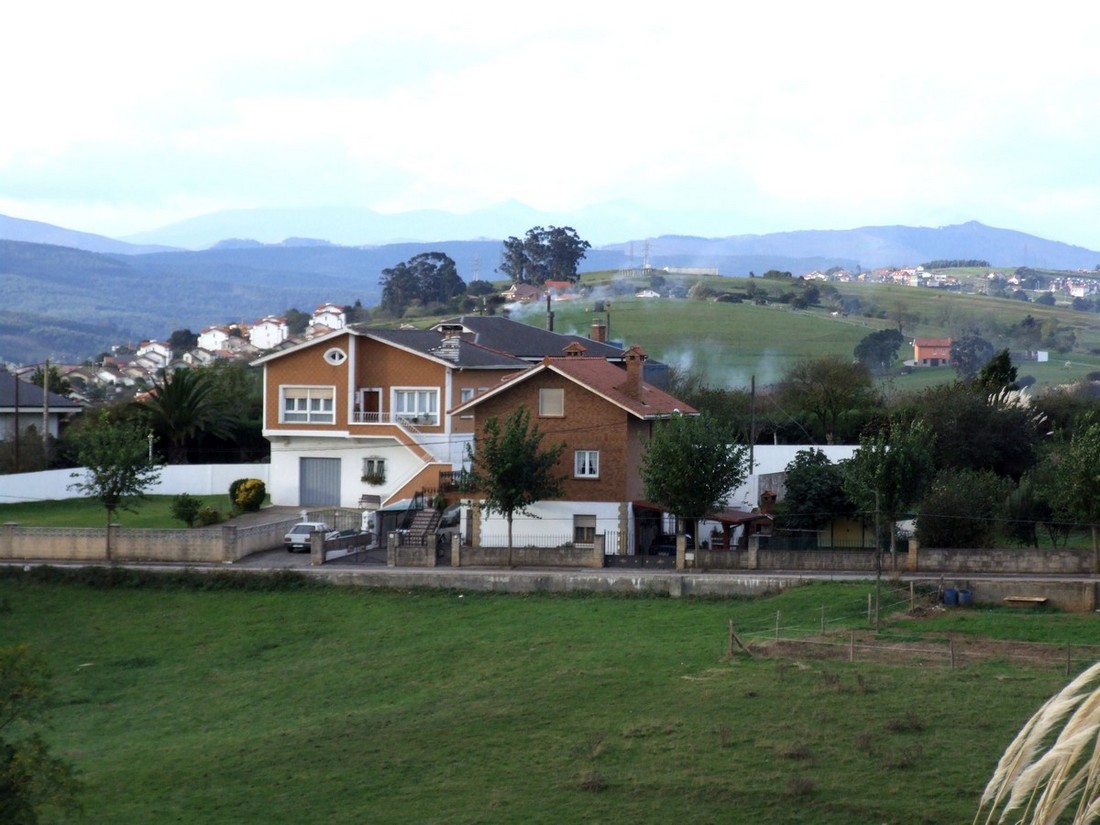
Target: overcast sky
(739, 118)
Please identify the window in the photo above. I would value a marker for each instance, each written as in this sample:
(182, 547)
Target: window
(552, 402)
(584, 530)
(419, 406)
(374, 470)
(336, 356)
(586, 464)
(308, 405)
(466, 394)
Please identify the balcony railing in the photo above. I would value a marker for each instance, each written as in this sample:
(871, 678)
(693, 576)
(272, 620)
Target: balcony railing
(411, 422)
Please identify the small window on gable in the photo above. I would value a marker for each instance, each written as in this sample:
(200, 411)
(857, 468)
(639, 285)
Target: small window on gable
(552, 402)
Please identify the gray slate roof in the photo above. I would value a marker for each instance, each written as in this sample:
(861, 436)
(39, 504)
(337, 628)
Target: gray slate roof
(30, 396)
(525, 341)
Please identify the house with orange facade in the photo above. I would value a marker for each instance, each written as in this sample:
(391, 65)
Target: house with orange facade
(931, 352)
(364, 413)
(603, 415)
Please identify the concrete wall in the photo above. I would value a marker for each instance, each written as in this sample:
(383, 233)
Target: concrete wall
(204, 545)
(1077, 597)
(1004, 560)
(196, 479)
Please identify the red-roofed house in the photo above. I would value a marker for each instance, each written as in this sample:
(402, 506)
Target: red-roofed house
(604, 416)
(931, 352)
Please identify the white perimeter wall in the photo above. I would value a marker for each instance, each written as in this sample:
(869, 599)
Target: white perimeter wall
(196, 479)
(550, 522)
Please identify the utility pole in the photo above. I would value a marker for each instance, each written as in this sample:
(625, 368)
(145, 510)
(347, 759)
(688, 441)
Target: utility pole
(878, 562)
(46, 415)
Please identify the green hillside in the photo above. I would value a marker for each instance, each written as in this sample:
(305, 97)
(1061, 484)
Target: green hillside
(728, 343)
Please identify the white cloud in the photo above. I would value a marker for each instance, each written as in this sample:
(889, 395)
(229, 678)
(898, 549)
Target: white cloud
(777, 113)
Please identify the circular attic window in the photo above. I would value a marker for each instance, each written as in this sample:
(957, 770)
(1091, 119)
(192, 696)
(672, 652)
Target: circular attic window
(336, 356)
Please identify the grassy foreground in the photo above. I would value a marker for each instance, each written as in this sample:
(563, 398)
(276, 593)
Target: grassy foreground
(334, 705)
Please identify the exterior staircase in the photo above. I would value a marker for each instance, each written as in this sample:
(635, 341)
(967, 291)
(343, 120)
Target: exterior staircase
(422, 528)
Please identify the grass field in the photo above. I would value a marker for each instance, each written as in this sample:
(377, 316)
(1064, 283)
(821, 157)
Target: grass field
(152, 511)
(730, 343)
(325, 705)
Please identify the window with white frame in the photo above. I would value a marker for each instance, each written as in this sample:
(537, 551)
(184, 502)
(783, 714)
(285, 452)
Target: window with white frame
(552, 402)
(586, 463)
(308, 405)
(418, 405)
(584, 530)
(466, 394)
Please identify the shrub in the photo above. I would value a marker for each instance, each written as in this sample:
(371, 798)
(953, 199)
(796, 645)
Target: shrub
(208, 516)
(185, 508)
(248, 494)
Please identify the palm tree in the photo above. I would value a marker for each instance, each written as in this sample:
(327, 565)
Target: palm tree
(182, 405)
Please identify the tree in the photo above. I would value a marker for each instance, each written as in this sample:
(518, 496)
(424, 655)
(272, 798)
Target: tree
(878, 351)
(886, 476)
(182, 340)
(691, 465)
(427, 278)
(888, 473)
(510, 468)
(830, 389)
(31, 778)
(55, 382)
(181, 406)
(998, 374)
(117, 467)
(814, 492)
(969, 354)
(1078, 478)
(962, 508)
(550, 253)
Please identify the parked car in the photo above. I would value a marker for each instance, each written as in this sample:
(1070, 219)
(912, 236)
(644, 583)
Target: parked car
(298, 538)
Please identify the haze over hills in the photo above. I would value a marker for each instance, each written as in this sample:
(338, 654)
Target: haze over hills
(70, 294)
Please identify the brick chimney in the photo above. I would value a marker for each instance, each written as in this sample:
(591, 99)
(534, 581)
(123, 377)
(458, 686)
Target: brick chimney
(635, 360)
(599, 330)
(767, 502)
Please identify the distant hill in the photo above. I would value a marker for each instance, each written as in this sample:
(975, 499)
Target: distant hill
(17, 229)
(79, 294)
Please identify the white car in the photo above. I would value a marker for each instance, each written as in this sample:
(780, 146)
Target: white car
(299, 536)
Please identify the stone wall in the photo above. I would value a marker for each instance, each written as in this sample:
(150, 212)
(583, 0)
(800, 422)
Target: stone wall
(202, 545)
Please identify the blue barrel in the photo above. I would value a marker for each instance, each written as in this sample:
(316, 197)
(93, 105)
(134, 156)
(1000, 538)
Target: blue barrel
(950, 596)
(965, 598)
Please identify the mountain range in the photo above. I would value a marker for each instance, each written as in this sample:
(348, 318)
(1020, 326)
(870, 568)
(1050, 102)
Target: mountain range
(70, 294)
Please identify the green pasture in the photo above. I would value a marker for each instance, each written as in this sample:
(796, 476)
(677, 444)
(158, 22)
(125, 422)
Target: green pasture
(151, 511)
(328, 705)
(731, 343)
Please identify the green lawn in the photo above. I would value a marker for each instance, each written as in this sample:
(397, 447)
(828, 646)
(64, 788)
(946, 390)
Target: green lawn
(152, 511)
(326, 705)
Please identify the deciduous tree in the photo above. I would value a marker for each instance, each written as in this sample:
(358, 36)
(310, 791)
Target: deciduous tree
(117, 468)
(814, 492)
(544, 253)
(879, 350)
(829, 389)
(31, 778)
(691, 465)
(511, 469)
(1078, 477)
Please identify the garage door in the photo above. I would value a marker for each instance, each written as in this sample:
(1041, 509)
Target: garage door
(319, 482)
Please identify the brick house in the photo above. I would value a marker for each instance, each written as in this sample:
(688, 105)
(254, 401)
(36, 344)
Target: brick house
(931, 352)
(604, 415)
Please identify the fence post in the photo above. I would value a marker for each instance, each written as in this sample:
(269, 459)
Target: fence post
(951, 651)
(1069, 665)
(599, 544)
(822, 620)
(777, 625)
(852, 647)
(229, 542)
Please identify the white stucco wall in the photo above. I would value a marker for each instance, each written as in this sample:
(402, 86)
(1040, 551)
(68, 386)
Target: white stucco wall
(196, 479)
(550, 523)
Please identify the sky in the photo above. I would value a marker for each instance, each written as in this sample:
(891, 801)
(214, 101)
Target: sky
(120, 117)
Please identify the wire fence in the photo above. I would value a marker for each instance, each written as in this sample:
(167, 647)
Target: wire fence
(835, 638)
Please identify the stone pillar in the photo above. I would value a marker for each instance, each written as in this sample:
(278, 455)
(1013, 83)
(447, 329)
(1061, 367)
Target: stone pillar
(391, 549)
(456, 550)
(229, 543)
(317, 547)
(681, 551)
(599, 542)
(110, 549)
(752, 560)
(914, 548)
(7, 539)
